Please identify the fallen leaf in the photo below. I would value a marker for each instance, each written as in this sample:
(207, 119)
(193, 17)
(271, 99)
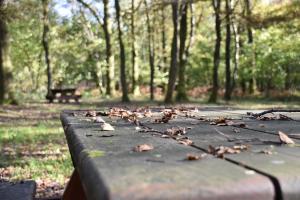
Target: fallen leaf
(284, 138)
(262, 125)
(175, 131)
(106, 127)
(283, 117)
(91, 114)
(143, 147)
(192, 157)
(185, 141)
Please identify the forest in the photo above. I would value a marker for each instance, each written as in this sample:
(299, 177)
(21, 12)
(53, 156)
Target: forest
(154, 50)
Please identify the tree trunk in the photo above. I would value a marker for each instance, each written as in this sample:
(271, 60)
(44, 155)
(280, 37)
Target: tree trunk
(134, 57)
(110, 65)
(181, 95)
(151, 52)
(227, 51)
(236, 60)
(250, 41)
(174, 54)
(3, 41)
(163, 37)
(45, 42)
(217, 6)
(125, 97)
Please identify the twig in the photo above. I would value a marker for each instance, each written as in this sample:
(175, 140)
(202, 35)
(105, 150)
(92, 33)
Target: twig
(271, 111)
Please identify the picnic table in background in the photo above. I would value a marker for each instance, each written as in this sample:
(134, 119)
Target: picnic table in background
(63, 95)
(183, 153)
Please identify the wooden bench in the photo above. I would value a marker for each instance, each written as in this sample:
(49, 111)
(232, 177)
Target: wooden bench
(107, 166)
(63, 95)
(17, 191)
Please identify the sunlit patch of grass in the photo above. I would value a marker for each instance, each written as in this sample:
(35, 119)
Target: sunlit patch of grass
(35, 152)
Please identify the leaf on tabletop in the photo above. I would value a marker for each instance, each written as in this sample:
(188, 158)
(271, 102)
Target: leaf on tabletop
(185, 141)
(192, 157)
(175, 131)
(284, 138)
(107, 127)
(91, 113)
(143, 147)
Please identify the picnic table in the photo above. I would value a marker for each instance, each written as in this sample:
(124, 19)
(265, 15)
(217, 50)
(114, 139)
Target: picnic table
(63, 94)
(183, 153)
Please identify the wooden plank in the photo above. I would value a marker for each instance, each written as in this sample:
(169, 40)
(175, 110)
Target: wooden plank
(109, 168)
(283, 164)
(24, 190)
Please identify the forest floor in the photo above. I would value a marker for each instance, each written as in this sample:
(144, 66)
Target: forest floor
(33, 145)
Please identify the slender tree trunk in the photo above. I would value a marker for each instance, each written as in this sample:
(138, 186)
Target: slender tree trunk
(174, 54)
(251, 42)
(151, 52)
(125, 97)
(236, 60)
(110, 65)
(134, 57)
(214, 94)
(45, 42)
(3, 39)
(164, 39)
(181, 95)
(228, 51)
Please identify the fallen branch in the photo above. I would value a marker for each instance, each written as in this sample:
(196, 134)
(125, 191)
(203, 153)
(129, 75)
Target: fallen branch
(271, 111)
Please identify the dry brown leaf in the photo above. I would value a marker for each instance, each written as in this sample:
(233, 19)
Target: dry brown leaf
(174, 131)
(91, 114)
(143, 147)
(185, 141)
(284, 138)
(192, 157)
(107, 127)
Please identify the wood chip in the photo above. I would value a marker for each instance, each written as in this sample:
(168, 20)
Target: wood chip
(106, 127)
(143, 147)
(284, 138)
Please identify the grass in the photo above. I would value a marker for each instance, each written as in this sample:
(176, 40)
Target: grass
(34, 152)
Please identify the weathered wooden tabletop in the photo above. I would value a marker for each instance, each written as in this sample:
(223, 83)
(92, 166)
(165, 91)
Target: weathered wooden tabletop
(236, 156)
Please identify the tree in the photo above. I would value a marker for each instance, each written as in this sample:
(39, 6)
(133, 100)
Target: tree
(134, 52)
(125, 97)
(174, 54)
(217, 6)
(228, 85)
(45, 42)
(181, 95)
(5, 60)
(110, 84)
(150, 51)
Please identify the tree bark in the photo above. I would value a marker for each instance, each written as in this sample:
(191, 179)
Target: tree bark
(125, 97)
(151, 52)
(134, 57)
(228, 51)
(3, 42)
(110, 63)
(250, 41)
(45, 42)
(174, 54)
(214, 94)
(235, 28)
(163, 38)
(181, 95)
